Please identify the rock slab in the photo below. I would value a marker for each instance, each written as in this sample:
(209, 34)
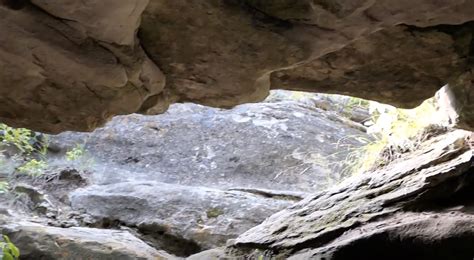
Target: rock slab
(417, 207)
(37, 241)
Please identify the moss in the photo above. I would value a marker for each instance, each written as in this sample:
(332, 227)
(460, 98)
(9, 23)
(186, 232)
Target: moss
(214, 212)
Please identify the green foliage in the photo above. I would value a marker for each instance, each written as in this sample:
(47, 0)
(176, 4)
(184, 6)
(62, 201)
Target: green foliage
(76, 153)
(79, 157)
(4, 186)
(214, 212)
(354, 102)
(9, 250)
(394, 132)
(30, 145)
(33, 167)
(42, 149)
(19, 137)
(364, 158)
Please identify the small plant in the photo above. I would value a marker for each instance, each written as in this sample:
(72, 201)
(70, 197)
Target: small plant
(353, 102)
(4, 186)
(9, 250)
(79, 157)
(395, 131)
(19, 137)
(33, 167)
(75, 153)
(214, 212)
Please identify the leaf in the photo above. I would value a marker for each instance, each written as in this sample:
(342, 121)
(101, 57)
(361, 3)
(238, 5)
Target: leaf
(7, 256)
(6, 238)
(10, 249)
(14, 250)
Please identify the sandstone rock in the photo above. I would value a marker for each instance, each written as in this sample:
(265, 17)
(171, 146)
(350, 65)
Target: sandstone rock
(460, 95)
(419, 207)
(72, 65)
(75, 67)
(289, 41)
(179, 219)
(357, 68)
(37, 241)
(287, 145)
(446, 107)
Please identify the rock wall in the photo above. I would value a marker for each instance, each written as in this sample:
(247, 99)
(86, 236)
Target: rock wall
(72, 65)
(184, 181)
(417, 207)
(44, 242)
(281, 145)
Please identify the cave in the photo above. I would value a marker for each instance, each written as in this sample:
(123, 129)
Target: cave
(246, 129)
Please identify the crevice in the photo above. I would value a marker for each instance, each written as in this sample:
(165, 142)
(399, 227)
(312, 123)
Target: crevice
(265, 20)
(15, 4)
(280, 195)
(455, 192)
(48, 13)
(155, 235)
(92, 91)
(400, 244)
(370, 17)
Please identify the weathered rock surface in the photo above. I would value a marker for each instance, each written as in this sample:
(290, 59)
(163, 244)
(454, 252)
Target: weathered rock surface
(460, 93)
(72, 65)
(230, 61)
(356, 110)
(380, 67)
(284, 145)
(38, 241)
(192, 178)
(181, 219)
(417, 207)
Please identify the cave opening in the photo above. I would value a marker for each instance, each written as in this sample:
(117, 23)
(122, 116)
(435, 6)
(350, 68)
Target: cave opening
(195, 177)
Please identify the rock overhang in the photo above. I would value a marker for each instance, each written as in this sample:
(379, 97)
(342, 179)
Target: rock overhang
(72, 65)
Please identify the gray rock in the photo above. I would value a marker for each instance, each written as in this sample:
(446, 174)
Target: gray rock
(37, 241)
(215, 253)
(408, 235)
(179, 219)
(35, 199)
(287, 145)
(346, 106)
(195, 177)
(417, 207)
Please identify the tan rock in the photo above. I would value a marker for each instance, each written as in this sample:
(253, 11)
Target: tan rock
(71, 65)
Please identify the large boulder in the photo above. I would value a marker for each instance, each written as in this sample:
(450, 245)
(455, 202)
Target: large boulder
(284, 145)
(179, 219)
(194, 177)
(37, 241)
(72, 65)
(417, 207)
